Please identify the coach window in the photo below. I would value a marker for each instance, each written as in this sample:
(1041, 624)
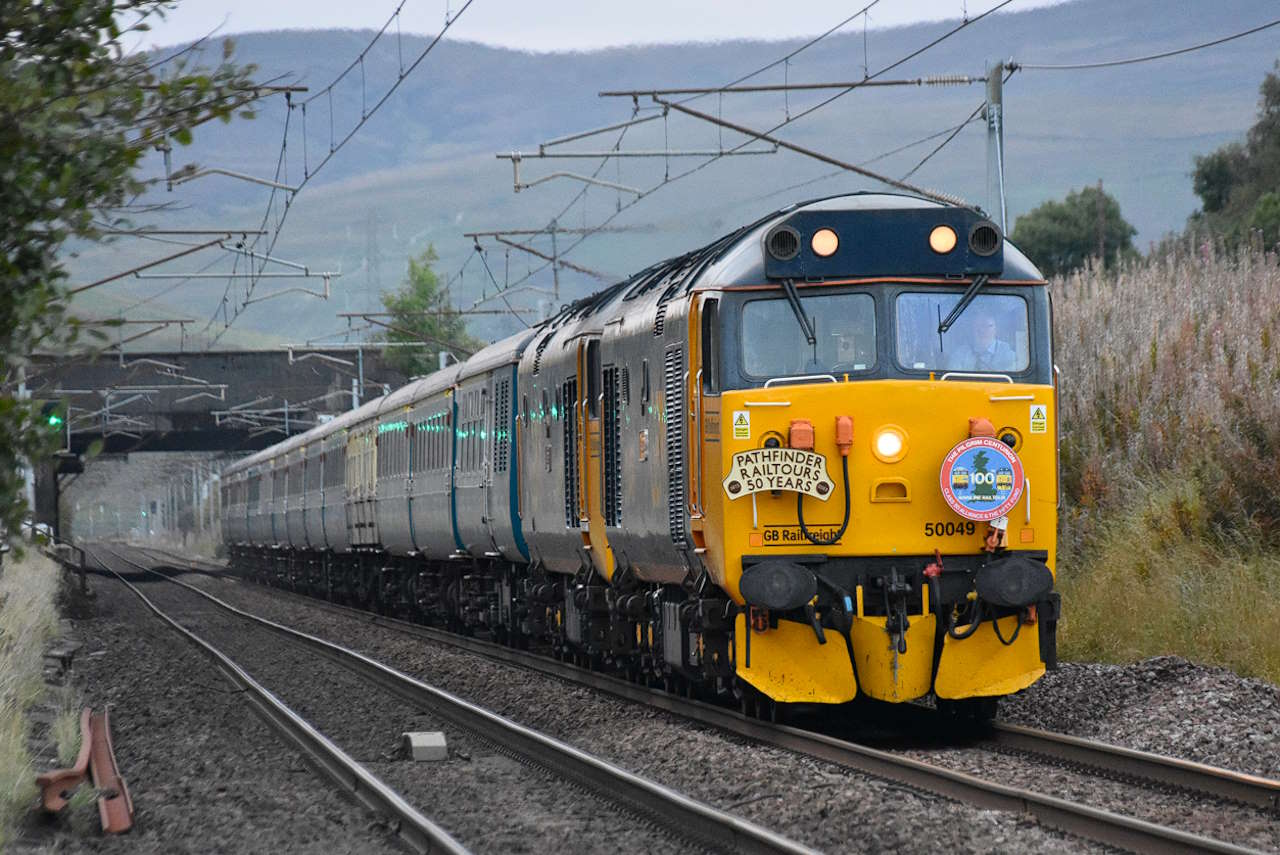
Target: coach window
(593, 379)
(711, 347)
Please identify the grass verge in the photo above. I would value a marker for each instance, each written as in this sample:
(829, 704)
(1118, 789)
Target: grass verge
(1154, 578)
(28, 619)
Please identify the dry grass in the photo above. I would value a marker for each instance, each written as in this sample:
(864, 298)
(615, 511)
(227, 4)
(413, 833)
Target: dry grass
(66, 727)
(28, 619)
(1171, 459)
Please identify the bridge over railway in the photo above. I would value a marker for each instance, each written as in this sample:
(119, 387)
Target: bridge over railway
(241, 400)
(216, 401)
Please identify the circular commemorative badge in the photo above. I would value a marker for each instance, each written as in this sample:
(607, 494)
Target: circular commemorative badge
(981, 478)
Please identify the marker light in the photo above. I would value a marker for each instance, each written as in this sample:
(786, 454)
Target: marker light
(889, 444)
(942, 239)
(824, 243)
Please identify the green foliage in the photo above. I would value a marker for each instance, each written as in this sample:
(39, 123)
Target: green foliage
(1216, 176)
(1235, 181)
(1060, 237)
(1265, 218)
(420, 312)
(76, 117)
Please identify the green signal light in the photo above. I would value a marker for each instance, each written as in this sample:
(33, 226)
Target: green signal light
(55, 420)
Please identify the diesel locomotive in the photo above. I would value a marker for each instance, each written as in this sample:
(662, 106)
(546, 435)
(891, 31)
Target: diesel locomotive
(812, 461)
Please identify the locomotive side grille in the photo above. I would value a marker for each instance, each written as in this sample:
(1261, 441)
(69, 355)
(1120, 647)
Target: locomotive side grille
(611, 428)
(659, 320)
(570, 389)
(501, 420)
(674, 412)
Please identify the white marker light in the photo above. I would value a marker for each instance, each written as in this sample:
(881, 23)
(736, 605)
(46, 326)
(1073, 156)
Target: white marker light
(889, 444)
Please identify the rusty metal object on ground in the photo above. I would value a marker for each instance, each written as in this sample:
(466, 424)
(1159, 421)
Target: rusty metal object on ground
(57, 785)
(97, 760)
(115, 806)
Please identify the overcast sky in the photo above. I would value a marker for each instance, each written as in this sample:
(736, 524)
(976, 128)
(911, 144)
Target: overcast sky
(558, 25)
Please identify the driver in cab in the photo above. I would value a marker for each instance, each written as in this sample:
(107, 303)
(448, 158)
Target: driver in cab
(986, 352)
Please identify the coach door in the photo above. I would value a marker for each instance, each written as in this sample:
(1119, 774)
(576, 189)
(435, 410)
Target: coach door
(590, 471)
(704, 420)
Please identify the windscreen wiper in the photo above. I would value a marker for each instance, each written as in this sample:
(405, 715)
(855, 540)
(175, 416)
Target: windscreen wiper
(793, 297)
(965, 300)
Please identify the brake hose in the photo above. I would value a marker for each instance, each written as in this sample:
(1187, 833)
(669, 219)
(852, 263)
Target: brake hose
(809, 536)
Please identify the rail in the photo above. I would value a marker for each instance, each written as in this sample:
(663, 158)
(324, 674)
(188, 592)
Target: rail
(411, 826)
(671, 809)
(1103, 826)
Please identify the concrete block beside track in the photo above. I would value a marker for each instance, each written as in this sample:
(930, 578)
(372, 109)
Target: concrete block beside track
(425, 745)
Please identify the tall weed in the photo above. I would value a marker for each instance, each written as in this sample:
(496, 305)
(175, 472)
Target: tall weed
(1171, 458)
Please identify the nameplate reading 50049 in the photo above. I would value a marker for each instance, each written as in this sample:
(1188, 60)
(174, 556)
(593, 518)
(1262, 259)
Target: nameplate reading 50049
(764, 469)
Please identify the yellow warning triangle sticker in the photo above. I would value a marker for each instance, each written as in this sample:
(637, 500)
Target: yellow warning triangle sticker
(741, 420)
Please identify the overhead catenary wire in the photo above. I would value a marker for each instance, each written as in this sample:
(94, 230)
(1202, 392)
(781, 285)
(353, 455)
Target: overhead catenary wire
(787, 121)
(494, 280)
(827, 176)
(1080, 66)
(334, 146)
(955, 132)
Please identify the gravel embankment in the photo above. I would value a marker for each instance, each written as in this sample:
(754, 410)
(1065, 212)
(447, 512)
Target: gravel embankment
(1254, 828)
(205, 773)
(484, 798)
(822, 805)
(1165, 705)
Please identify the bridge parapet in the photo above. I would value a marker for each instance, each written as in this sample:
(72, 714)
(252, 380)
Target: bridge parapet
(214, 401)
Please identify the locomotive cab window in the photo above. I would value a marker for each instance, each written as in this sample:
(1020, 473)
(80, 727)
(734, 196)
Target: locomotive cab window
(775, 344)
(711, 347)
(990, 336)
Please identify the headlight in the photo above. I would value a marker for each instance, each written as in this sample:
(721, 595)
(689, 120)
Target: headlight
(824, 243)
(942, 239)
(889, 443)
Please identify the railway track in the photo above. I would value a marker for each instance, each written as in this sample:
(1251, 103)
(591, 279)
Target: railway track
(679, 816)
(416, 830)
(1111, 761)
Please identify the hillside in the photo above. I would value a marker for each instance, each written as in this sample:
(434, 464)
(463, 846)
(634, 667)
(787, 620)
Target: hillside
(422, 171)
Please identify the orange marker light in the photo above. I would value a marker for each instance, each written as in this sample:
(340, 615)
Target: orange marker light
(942, 239)
(824, 243)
